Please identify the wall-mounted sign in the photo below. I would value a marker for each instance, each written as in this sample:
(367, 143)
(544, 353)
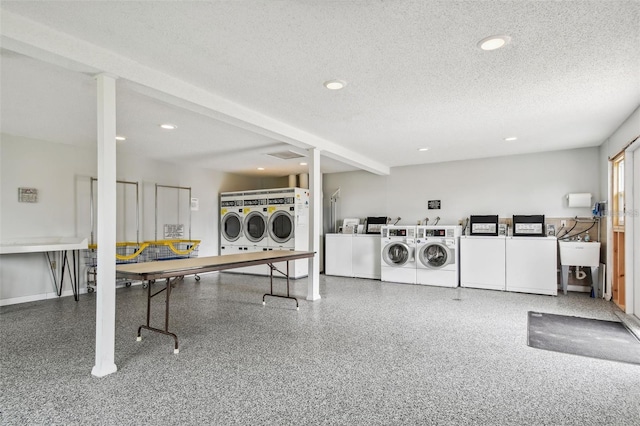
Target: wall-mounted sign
(173, 231)
(195, 204)
(27, 195)
(433, 204)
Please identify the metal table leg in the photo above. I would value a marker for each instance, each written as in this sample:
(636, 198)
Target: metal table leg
(166, 331)
(273, 268)
(63, 260)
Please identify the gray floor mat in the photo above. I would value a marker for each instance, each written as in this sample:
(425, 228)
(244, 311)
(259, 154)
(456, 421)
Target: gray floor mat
(609, 340)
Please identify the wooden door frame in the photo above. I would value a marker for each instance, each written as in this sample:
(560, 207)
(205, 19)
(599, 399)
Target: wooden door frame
(632, 206)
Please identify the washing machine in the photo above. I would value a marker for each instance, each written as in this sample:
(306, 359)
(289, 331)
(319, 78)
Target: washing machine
(437, 255)
(231, 221)
(288, 225)
(398, 261)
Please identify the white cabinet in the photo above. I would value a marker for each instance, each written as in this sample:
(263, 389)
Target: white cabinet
(482, 262)
(531, 265)
(338, 249)
(366, 256)
(352, 255)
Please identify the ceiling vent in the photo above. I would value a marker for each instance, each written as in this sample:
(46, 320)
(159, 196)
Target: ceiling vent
(286, 155)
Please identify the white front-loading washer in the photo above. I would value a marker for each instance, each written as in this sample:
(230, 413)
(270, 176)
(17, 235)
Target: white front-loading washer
(397, 256)
(437, 255)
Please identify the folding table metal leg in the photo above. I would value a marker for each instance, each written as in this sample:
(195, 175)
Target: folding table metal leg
(166, 315)
(75, 273)
(273, 268)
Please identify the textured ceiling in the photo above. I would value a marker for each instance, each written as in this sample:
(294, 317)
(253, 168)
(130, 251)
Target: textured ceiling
(415, 77)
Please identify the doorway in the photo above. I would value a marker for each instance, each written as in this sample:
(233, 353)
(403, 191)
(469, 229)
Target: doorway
(624, 234)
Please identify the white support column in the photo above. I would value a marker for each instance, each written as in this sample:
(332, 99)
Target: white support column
(106, 227)
(315, 188)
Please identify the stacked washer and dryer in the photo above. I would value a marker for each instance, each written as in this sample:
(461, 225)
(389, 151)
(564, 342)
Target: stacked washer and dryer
(270, 219)
(427, 255)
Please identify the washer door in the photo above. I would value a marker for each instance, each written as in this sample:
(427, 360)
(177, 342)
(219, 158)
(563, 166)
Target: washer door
(396, 254)
(281, 227)
(255, 227)
(231, 226)
(435, 255)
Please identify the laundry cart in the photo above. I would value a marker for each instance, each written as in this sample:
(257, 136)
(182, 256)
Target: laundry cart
(126, 252)
(171, 249)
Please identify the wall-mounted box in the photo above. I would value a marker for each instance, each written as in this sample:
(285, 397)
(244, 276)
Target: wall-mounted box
(582, 199)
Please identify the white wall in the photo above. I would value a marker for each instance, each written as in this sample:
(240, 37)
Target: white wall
(519, 184)
(62, 175)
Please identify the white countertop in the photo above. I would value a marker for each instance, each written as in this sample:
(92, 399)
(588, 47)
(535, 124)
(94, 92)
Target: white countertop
(42, 244)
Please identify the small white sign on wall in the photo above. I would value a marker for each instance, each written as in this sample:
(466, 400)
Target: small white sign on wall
(27, 195)
(195, 204)
(173, 231)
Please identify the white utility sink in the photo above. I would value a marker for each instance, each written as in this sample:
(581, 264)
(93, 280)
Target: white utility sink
(579, 253)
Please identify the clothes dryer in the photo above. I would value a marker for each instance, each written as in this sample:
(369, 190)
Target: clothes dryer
(398, 263)
(255, 219)
(255, 229)
(231, 220)
(281, 224)
(288, 225)
(288, 222)
(437, 255)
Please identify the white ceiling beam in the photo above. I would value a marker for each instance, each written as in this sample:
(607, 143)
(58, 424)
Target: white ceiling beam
(47, 44)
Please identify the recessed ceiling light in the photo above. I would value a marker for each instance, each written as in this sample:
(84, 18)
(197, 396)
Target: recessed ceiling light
(168, 126)
(303, 164)
(511, 138)
(260, 168)
(121, 138)
(335, 84)
(423, 149)
(493, 42)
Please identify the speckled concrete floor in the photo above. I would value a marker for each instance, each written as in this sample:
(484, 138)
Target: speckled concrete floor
(367, 353)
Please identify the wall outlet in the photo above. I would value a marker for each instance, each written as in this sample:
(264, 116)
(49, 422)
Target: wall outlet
(563, 223)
